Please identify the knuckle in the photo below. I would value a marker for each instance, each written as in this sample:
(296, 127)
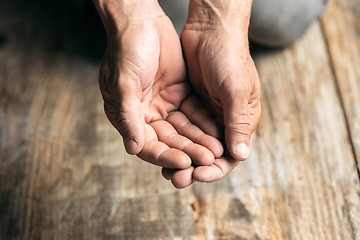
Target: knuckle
(240, 131)
(241, 125)
(242, 118)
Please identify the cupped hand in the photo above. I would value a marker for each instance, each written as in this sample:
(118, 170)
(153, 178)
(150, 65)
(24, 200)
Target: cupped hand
(224, 76)
(143, 82)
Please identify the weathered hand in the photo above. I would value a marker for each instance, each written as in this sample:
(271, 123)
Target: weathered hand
(143, 82)
(224, 76)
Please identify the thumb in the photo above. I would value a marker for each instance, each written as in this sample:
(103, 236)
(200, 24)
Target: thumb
(125, 113)
(237, 123)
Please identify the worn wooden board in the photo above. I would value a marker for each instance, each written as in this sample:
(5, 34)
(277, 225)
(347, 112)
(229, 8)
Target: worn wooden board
(63, 170)
(301, 181)
(64, 173)
(341, 24)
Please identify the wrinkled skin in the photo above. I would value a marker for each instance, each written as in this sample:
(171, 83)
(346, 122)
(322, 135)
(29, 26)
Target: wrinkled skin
(143, 82)
(152, 99)
(224, 76)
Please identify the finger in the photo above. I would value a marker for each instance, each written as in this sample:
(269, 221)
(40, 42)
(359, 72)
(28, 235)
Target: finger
(158, 153)
(215, 172)
(182, 178)
(131, 129)
(184, 127)
(199, 115)
(168, 135)
(238, 128)
(123, 107)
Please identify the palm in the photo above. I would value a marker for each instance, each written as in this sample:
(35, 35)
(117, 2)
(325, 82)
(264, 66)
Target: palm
(162, 71)
(143, 82)
(212, 71)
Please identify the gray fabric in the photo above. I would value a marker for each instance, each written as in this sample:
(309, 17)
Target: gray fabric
(281, 22)
(273, 23)
(177, 11)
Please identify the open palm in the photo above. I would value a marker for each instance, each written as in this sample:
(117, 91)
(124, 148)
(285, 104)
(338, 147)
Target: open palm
(143, 83)
(224, 76)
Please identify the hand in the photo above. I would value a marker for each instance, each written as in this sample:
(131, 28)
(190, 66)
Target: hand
(143, 81)
(223, 74)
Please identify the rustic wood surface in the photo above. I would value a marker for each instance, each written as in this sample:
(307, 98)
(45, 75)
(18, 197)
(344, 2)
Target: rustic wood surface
(64, 173)
(341, 24)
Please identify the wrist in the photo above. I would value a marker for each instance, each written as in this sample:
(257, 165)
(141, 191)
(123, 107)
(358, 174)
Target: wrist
(219, 14)
(116, 15)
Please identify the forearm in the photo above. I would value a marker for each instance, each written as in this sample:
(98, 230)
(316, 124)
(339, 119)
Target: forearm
(219, 14)
(117, 14)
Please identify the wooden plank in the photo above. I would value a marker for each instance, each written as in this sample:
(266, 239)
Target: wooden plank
(341, 24)
(63, 170)
(64, 173)
(301, 181)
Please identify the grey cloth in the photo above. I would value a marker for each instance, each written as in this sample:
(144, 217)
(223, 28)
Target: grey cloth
(177, 11)
(274, 23)
(281, 22)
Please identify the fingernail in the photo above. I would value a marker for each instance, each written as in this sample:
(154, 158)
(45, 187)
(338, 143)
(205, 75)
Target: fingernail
(242, 150)
(130, 145)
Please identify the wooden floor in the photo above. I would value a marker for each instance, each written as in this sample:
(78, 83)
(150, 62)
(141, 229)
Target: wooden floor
(64, 174)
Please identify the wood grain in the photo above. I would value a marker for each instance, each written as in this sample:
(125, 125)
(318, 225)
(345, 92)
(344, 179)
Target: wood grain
(65, 175)
(341, 24)
(301, 181)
